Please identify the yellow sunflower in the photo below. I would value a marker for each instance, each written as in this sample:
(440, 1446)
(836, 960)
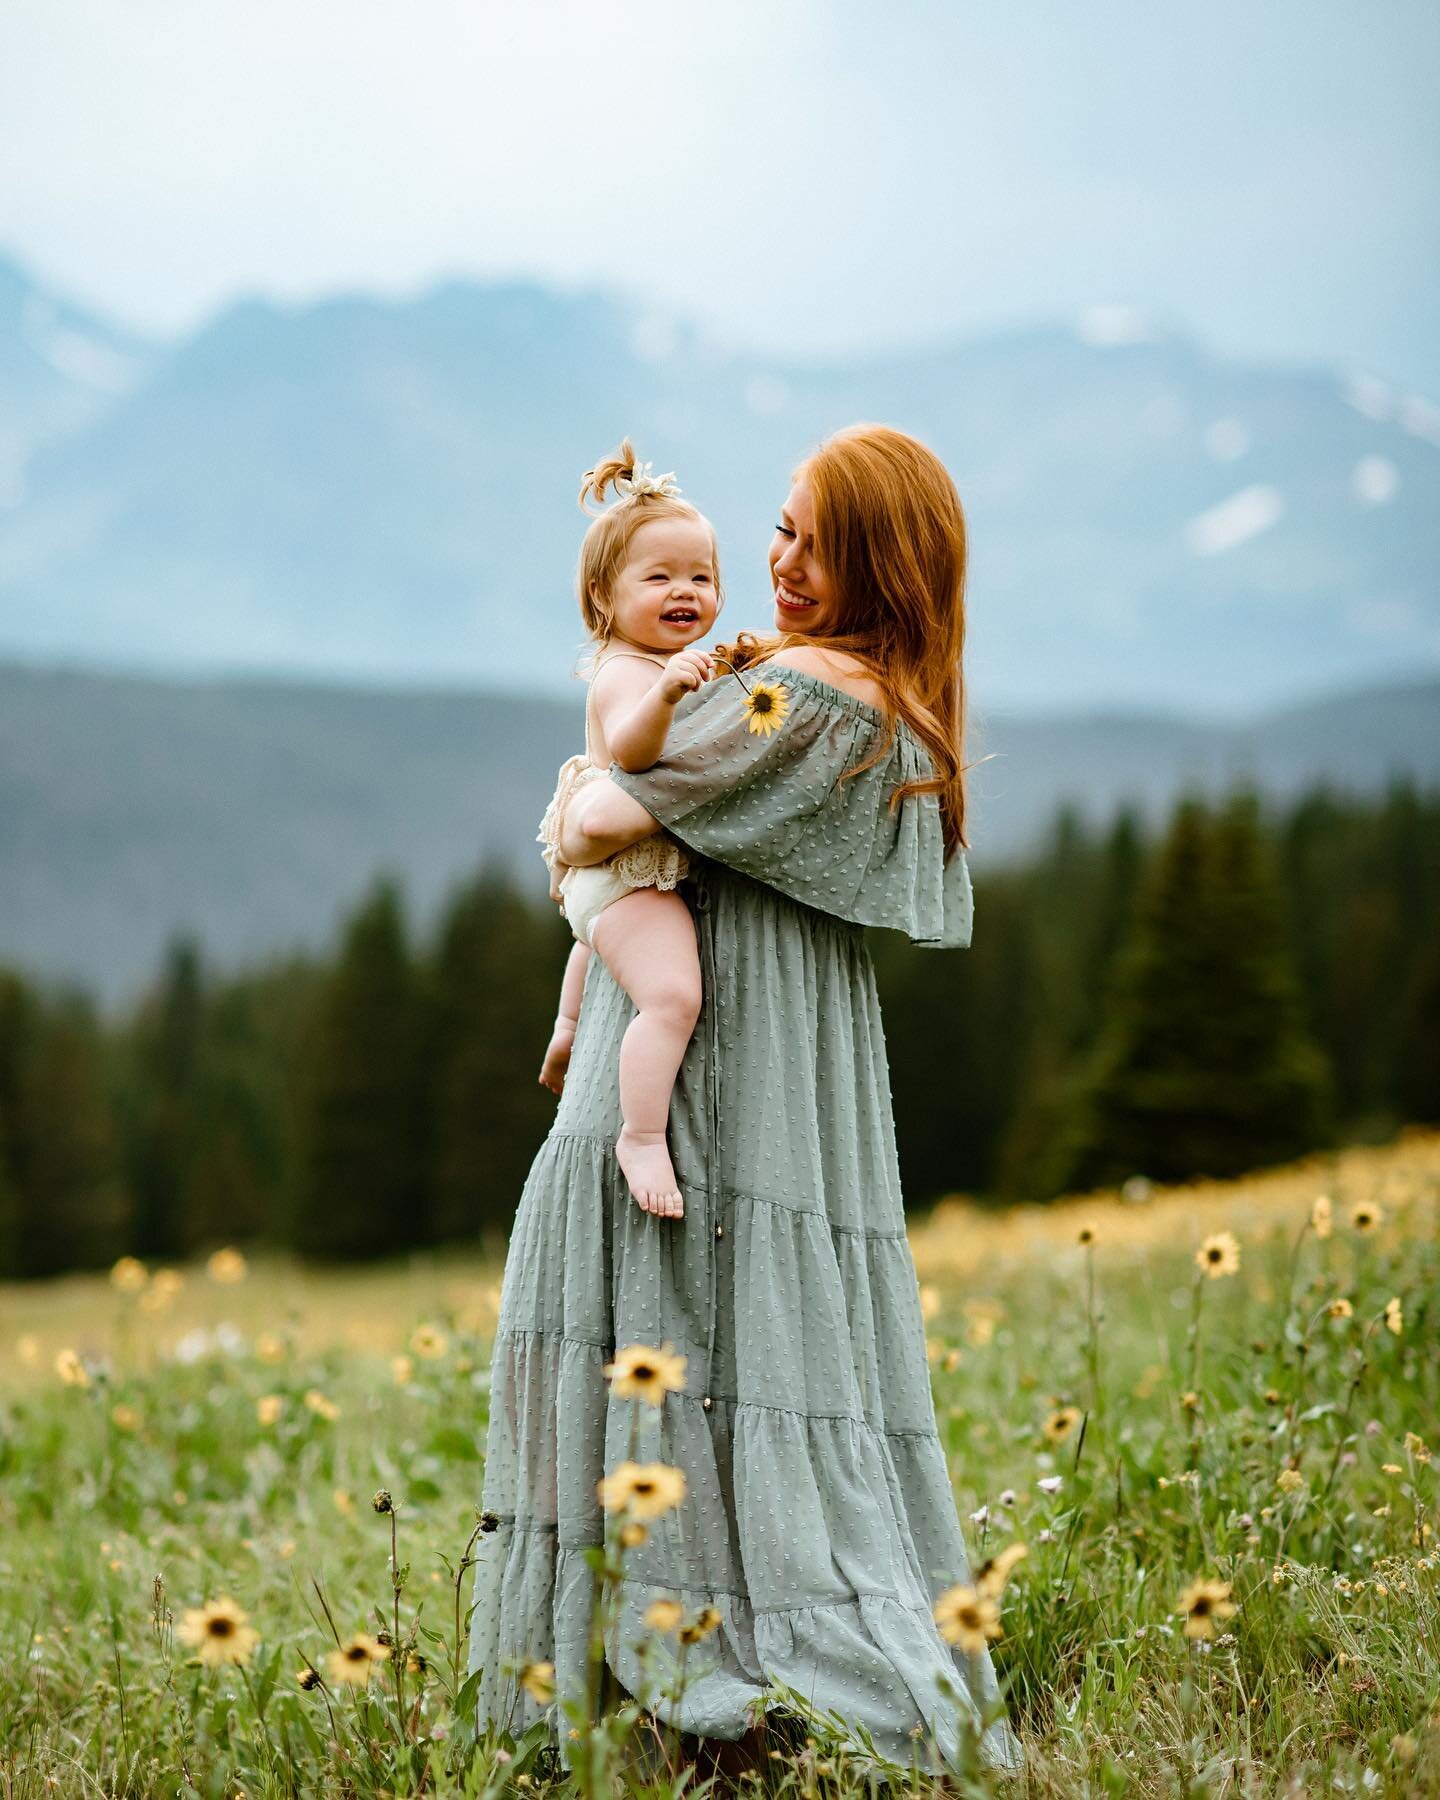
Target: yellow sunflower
(429, 1341)
(638, 1373)
(129, 1275)
(538, 1681)
(664, 1615)
(1203, 1602)
(765, 705)
(227, 1266)
(350, 1665)
(219, 1631)
(992, 1575)
(967, 1618)
(704, 1622)
(1061, 1423)
(1219, 1254)
(644, 1489)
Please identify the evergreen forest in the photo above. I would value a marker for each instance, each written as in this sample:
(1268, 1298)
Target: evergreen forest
(1247, 984)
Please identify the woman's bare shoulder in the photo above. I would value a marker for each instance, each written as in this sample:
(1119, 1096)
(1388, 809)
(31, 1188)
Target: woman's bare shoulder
(837, 667)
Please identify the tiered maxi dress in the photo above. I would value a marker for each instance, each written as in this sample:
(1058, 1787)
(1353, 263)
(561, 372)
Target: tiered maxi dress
(819, 1517)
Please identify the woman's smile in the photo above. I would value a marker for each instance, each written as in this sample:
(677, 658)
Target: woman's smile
(802, 588)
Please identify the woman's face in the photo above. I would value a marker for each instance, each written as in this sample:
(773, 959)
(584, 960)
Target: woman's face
(804, 599)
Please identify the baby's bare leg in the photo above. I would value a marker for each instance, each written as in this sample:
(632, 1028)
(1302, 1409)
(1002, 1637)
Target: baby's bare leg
(647, 941)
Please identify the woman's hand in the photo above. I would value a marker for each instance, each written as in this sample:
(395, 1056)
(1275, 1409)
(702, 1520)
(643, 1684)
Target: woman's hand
(601, 819)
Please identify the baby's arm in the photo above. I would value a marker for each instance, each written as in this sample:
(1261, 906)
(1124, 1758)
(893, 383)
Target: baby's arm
(567, 1020)
(636, 709)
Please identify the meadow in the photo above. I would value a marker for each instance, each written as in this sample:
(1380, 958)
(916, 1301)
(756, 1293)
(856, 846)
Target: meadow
(237, 1501)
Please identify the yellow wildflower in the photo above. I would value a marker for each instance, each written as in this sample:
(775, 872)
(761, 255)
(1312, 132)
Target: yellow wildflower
(645, 1489)
(765, 706)
(124, 1418)
(429, 1341)
(350, 1665)
(71, 1370)
(1365, 1215)
(1203, 1602)
(269, 1348)
(219, 1631)
(538, 1681)
(1061, 1423)
(227, 1267)
(1417, 1447)
(1086, 1235)
(1322, 1216)
(268, 1409)
(321, 1404)
(992, 1575)
(165, 1284)
(1288, 1480)
(664, 1615)
(129, 1275)
(1394, 1316)
(1219, 1254)
(1340, 1308)
(638, 1373)
(705, 1621)
(1392, 1469)
(967, 1618)
(633, 1534)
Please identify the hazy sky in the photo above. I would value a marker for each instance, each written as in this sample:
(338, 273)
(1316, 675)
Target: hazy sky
(800, 176)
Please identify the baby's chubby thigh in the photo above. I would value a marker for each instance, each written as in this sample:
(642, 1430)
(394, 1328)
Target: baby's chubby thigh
(646, 940)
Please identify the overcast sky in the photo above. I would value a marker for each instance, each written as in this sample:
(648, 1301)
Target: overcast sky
(800, 176)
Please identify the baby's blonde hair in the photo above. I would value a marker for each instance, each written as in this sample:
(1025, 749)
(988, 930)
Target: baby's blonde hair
(606, 546)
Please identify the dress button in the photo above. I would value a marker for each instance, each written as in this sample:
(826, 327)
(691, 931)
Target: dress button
(719, 1231)
(706, 1403)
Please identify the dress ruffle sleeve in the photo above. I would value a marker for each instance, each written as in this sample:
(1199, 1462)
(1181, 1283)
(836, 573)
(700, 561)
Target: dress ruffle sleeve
(773, 805)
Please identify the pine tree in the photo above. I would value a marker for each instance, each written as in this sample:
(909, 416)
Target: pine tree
(15, 1026)
(364, 1151)
(75, 1210)
(496, 982)
(1204, 1066)
(160, 1103)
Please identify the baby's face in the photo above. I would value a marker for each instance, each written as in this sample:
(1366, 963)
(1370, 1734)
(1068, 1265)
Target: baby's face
(665, 597)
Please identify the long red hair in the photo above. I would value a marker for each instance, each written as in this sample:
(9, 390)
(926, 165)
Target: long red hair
(890, 536)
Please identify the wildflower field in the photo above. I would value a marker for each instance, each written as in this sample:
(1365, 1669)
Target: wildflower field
(238, 1501)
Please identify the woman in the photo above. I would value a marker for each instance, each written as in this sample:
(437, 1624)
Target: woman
(819, 1520)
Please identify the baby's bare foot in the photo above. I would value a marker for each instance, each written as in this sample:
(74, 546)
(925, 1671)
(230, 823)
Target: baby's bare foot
(646, 1161)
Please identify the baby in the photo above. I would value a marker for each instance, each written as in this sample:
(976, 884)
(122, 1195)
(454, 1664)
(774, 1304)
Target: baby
(649, 587)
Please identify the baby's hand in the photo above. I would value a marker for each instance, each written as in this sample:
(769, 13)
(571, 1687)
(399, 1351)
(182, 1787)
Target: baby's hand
(557, 1058)
(559, 869)
(686, 670)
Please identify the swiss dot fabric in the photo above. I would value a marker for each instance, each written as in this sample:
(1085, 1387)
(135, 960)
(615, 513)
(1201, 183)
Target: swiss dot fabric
(819, 1518)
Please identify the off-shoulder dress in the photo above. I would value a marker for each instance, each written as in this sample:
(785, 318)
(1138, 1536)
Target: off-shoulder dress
(819, 1518)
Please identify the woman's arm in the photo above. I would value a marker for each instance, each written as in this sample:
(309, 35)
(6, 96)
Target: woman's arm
(600, 820)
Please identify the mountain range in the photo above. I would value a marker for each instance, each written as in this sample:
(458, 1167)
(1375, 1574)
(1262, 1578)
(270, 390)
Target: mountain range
(252, 813)
(382, 490)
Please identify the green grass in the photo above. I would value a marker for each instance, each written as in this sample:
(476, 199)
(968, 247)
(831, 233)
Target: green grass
(155, 1486)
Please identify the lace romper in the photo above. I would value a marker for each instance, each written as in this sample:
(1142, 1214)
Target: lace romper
(657, 861)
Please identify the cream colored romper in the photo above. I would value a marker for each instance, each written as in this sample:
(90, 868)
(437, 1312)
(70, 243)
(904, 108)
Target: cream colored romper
(657, 861)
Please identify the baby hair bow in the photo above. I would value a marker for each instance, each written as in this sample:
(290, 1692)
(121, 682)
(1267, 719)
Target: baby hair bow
(641, 481)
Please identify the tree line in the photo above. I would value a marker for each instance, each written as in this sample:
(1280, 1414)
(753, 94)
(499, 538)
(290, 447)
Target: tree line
(1238, 988)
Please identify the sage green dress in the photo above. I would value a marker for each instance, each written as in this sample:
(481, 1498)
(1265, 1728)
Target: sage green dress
(819, 1518)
